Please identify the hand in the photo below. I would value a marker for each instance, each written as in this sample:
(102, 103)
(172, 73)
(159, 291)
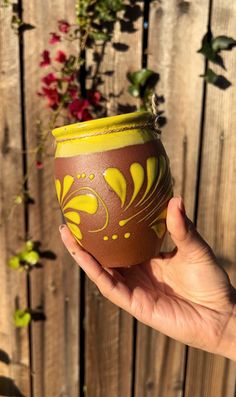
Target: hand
(184, 294)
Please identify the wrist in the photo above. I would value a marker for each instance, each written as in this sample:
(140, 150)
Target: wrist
(227, 346)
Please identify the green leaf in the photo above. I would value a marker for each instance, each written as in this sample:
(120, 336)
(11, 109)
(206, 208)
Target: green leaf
(29, 245)
(99, 36)
(21, 318)
(31, 257)
(14, 262)
(206, 48)
(223, 43)
(208, 52)
(70, 61)
(210, 76)
(141, 76)
(18, 199)
(134, 91)
(143, 108)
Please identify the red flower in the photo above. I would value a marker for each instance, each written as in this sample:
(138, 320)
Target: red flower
(86, 116)
(52, 96)
(94, 97)
(39, 165)
(63, 26)
(46, 58)
(49, 79)
(55, 38)
(73, 91)
(60, 57)
(78, 109)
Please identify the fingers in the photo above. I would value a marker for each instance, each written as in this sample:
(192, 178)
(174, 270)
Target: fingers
(109, 285)
(182, 230)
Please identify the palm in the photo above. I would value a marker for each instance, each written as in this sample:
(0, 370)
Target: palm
(178, 303)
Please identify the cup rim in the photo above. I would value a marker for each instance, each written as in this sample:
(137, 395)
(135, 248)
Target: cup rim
(111, 123)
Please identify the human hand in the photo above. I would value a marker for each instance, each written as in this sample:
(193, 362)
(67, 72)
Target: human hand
(184, 294)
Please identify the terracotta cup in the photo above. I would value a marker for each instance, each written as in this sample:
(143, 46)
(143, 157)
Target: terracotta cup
(113, 184)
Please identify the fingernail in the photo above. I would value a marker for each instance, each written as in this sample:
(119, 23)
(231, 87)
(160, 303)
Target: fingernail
(181, 206)
(61, 227)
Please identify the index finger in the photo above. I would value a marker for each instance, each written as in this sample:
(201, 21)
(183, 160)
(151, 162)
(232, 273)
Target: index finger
(110, 287)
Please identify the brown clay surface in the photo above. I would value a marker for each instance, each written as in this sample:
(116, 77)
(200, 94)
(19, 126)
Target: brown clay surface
(143, 242)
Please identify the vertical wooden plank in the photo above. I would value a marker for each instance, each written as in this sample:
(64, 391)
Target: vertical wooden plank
(108, 330)
(217, 215)
(14, 346)
(175, 32)
(54, 287)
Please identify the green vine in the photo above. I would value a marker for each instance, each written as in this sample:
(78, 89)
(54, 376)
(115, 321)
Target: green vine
(61, 87)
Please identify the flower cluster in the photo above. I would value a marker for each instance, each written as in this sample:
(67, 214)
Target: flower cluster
(60, 86)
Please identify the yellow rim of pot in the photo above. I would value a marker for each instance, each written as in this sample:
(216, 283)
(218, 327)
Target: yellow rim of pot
(104, 134)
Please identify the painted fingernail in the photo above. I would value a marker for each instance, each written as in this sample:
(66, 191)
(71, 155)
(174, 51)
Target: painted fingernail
(61, 227)
(181, 206)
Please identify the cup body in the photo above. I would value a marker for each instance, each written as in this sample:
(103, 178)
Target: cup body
(113, 185)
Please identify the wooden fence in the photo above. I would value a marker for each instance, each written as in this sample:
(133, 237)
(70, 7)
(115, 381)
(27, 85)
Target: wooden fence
(86, 345)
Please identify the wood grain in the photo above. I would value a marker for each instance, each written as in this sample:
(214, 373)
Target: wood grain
(108, 329)
(14, 346)
(114, 359)
(216, 214)
(54, 287)
(175, 32)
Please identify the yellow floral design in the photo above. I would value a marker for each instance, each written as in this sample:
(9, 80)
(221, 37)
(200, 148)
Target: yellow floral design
(152, 189)
(157, 192)
(71, 206)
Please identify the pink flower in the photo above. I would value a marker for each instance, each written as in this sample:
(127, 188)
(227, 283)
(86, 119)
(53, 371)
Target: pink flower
(63, 26)
(78, 109)
(94, 97)
(52, 96)
(60, 57)
(46, 59)
(49, 79)
(55, 38)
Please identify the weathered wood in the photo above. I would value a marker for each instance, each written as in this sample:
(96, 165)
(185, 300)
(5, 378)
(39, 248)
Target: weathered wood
(14, 346)
(108, 329)
(108, 347)
(216, 215)
(175, 32)
(54, 287)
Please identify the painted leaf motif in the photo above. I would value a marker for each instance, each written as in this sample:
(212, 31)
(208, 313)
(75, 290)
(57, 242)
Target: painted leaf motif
(161, 216)
(84, 202)
(73, 216)
(67, 183)
(116, 180)
(137, 173)
(58, 189)
(162, 167)
(152, 163)
(159, 229)
(75, 230)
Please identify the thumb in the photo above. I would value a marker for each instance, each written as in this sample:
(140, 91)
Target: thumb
(183, 232)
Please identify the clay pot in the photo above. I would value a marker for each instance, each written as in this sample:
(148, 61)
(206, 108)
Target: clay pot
(113, 184)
